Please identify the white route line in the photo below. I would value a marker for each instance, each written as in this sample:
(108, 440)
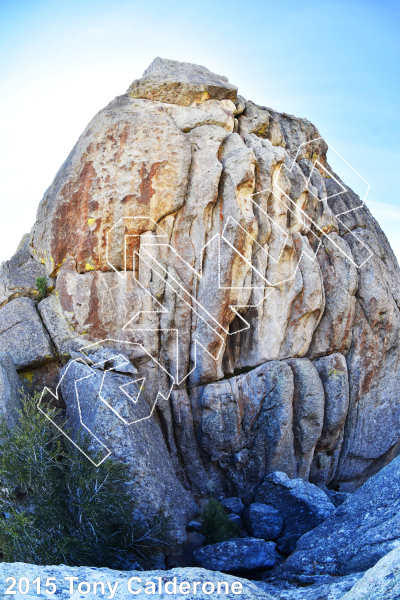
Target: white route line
(345, 161)
(233, 307)
(183, 293)
(91, 374)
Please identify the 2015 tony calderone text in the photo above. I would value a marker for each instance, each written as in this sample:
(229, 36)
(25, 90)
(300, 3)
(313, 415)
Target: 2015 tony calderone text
(134, 585)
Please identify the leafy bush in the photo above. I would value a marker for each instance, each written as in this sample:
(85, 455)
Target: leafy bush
(41, 285)
(57, 507)
(216, 524)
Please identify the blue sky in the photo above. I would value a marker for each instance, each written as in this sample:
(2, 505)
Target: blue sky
(335, 63)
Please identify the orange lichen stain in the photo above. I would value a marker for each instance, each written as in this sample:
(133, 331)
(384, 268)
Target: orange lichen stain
(221, 216)
(122, 142)
(68, 236)
(132, 246)
(145, 187)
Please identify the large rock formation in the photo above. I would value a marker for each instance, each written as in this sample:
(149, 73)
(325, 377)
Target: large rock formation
(207, 238)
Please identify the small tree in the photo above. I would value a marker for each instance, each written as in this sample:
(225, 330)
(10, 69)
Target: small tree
(216, 524)
(41, 286)
(58, 507)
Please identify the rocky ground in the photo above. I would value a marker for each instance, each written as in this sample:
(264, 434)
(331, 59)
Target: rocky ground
(222, 313)
(382, 582)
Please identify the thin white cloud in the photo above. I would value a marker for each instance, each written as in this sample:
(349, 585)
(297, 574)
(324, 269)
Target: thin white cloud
(381, 209)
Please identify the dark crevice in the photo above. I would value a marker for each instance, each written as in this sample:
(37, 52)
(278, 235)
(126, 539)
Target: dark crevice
(53, 346)
(237, 371)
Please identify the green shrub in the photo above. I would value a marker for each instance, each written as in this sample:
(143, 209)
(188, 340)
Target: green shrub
(216, 524)
(57, 507)
(41, 285)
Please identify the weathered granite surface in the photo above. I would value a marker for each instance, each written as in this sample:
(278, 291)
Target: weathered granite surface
(107, 404)
(207, 238)
(237, 555)
(357, 534)
(379, 583)
(382, 581)
(22, 334)
(18, 274)
(302, 505)
(181, 83)
(263, 521)
(323, 588)
(10, 386)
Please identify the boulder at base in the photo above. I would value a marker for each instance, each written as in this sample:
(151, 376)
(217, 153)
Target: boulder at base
(357, 534)
(302, 505)
(233, 505)
(238, 554)
(263, 521)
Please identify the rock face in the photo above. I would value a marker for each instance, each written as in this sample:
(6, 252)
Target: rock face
(10, 401)
(22, 334)
(106, 403)
(357, 534)
(233, 506)
(207, 239)
(332, 371)
(244, 427)
(241, 554)
(18, 275)
(263, 521)
(377, 584)
(302, 506)
(65, 339)
(324, 588)
(382, 581)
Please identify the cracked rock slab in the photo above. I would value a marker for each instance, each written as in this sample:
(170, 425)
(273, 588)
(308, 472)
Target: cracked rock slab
(120, 422)
(22, 334)
(64, 337)
(181, 83)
